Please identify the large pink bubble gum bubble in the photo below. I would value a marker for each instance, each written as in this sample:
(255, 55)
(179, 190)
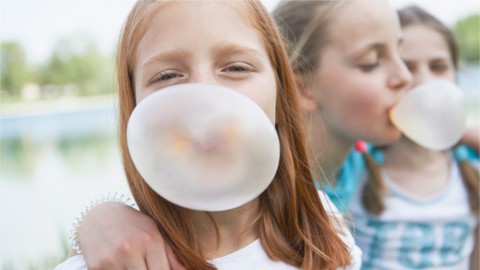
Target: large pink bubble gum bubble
(432, 114)
(203, 147)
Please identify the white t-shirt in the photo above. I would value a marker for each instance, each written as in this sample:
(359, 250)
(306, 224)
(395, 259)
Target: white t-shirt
(253, 255)
(436, 233)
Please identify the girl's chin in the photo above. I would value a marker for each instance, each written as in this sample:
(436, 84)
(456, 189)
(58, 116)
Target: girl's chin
(394, 137)
(389, 137)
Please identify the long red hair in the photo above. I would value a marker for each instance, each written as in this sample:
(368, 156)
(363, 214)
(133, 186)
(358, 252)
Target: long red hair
(291, 224)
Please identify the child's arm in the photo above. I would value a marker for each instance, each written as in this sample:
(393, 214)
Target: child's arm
(115, 236)
(475, 257)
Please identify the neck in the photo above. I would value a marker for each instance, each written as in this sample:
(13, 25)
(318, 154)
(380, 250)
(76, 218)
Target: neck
(406, 154)
(419, 171)
(235, 229)
(329, 149)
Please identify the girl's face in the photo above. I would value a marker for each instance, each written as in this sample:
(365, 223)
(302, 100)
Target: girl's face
(426, 54)
(185, 43)
(360, 75)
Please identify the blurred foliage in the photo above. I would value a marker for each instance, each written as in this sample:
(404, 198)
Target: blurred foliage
(14, 70)
(78, 61)
(76, 67)
(468, 35)
(47, 262)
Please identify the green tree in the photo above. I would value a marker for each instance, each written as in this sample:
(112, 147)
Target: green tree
(14, 70)
(468, 34)
(78, 61)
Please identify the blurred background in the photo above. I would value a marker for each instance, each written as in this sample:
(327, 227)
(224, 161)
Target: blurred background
(58, 144)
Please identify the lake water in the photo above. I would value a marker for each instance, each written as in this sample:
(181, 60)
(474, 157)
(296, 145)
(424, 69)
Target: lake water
(57, 158)
(52, 164)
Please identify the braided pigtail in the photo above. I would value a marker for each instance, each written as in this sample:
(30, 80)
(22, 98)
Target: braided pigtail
(374, 190)
(471, 178)
(470, 175)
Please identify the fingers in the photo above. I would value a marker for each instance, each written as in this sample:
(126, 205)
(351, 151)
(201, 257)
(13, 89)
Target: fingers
(156, 257)
(172, 259)
(119, 258)
(114, 237)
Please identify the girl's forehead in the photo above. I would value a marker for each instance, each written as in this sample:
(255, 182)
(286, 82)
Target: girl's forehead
(424, 42)
(192, 23)
(181, 16)
(355, 14)
(192, 7)
(357, 20)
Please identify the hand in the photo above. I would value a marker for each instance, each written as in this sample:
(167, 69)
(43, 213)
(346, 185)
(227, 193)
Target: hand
(116, 236)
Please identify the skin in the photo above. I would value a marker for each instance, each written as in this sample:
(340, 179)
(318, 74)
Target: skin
(360, 77)
(195, 52)
(426, 55)
(190, 53)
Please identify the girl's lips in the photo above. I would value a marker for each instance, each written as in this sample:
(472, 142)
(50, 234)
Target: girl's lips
(390, 111)
(392, 106)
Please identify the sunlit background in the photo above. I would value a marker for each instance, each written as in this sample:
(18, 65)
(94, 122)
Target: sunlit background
(58, 145)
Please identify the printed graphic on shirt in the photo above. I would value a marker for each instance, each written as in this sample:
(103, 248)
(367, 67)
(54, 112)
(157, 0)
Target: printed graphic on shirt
(418, 245)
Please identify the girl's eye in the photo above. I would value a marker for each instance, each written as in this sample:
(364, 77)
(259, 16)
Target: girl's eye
(238, 68)
(165, 76)
(439, 68)
(368, 67)
(370, 61)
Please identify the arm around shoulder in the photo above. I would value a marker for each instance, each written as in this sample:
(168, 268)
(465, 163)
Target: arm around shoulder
(113, 235)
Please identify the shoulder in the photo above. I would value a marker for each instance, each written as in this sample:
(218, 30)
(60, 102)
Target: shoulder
(76, 262)
(343, 231)
(252, 256)
(463, 152)
(326, 202)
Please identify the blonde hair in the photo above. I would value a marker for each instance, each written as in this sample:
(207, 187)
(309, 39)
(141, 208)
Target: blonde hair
(305, 26)
(291, 226)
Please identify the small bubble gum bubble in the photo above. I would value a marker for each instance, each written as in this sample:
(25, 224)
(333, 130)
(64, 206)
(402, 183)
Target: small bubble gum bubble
(432, 114)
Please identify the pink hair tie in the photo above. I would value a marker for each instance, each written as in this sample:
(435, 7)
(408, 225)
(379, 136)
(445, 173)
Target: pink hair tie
(360, 146)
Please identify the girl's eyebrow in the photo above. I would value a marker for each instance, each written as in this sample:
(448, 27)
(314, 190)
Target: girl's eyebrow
(360, 51)
(220, 49)
(165, 56)
(375, 46)
(231, 48)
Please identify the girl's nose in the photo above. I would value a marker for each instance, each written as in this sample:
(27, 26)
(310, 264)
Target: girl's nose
(401, 77)
(203, 75)
(421, 75)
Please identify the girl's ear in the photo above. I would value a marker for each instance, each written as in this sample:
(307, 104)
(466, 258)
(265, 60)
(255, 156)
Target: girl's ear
(307, 100)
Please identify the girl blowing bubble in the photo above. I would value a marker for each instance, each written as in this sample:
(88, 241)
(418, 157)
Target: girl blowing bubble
(236, 45)
(349, 74)
(419, 207)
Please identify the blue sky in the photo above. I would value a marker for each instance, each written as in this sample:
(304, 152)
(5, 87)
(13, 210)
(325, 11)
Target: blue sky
(39, 24)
